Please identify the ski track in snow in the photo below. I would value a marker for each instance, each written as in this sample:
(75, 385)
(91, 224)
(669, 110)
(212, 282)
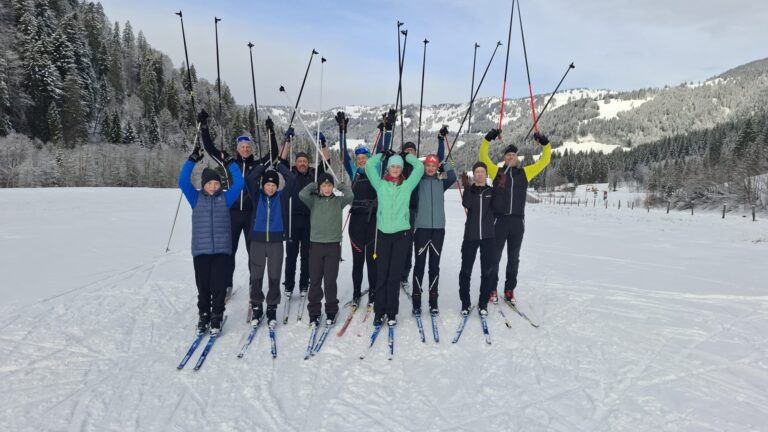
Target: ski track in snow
(648, 322)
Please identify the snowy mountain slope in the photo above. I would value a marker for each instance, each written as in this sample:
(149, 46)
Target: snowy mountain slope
(648, 322)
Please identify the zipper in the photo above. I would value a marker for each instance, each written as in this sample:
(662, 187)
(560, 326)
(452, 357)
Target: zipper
(511, 191)
(480, 223)
(213, 245)
(241, 190)
(269, 207)
(432, 205)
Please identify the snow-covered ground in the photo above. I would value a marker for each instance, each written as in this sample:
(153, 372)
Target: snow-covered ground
(585, 145)
(612, 108)
(648, 322)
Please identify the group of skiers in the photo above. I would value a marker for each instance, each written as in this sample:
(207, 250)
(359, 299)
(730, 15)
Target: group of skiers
(396, 216)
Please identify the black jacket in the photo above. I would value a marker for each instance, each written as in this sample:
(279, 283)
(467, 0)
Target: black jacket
(365, 201)
(243, 202)
(478, 200)
(510, 190)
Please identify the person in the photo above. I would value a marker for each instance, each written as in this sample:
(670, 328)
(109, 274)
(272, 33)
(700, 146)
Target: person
(241, 212)
(269, 229)
(325, 204)
(362, 212)
(211, 237)
(510, 192)
(298, 224)
(479, 233)
(393, 227)
(409, 147)
(429, 223)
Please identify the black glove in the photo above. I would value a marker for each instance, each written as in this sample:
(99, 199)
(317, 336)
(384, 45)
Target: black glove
(380, 126)
(541, 139)
(390, 120)
(444, 131)
(342, 120)
(202, 118)
(196, 155)
(270, 124)
(441, 167)
(492, 134)
(226, 158)
(388, 153)
(289, 133)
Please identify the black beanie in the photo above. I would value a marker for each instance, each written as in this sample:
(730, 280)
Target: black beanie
(301, 154)
(270, 177)
(208, 175)
(479, 165)
(510, 149)
(409, 144)
(324, 178)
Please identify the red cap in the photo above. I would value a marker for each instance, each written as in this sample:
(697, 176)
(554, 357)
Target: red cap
(431, 159)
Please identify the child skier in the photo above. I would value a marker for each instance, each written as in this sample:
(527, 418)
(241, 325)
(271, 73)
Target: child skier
(394, 229)
(429, 229)
(478, 233)
(325, 206)
(267, 235)
(211, 236)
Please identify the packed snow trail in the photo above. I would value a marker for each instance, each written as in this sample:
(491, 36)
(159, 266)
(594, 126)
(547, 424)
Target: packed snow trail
(647, 321)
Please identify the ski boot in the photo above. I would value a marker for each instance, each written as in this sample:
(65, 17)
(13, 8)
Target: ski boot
(216, 324)
(272, 315)
(330, 318)
(203, 323)
(494, 297)
(509, 296)
(256, 314)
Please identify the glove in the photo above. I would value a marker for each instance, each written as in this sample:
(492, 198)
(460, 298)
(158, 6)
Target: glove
(388, 153)
(342, 120)
(444, 131)
(390, 120)
(492, 134)
(541, 139)
(322, 140)
(202, 118)
(289, 133)
(270, 124)
(196, 155)
(441, 167)
(464, 180)
(380, 126)
(226, 158)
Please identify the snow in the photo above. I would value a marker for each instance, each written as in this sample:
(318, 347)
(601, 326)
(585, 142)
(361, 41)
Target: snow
(648, 321)
(561, 97)
(585, 145)
(611, 109)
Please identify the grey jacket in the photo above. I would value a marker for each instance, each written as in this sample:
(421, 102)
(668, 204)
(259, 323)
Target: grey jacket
(431, 210)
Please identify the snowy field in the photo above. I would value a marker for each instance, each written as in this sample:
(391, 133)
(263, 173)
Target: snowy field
(649, 322)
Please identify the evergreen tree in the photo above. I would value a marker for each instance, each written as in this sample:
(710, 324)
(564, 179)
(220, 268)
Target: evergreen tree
(148, 88)
(130, 71)
(115, 129)
(116, 65)
(129, 136)
(54, 125)
(73, 113)
(151, 131)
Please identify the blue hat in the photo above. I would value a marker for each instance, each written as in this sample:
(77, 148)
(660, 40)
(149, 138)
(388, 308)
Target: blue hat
(395, 160)
(242, 138)
(362, 150)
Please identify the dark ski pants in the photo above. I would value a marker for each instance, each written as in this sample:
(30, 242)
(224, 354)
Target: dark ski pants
(362, 236)
(427, 243)
(267, 256)
(297, 247)
(210, 277)
(488, 270)
(240, 222)
(509, 230)
(323, 270)
(409, 260)
(391, 255)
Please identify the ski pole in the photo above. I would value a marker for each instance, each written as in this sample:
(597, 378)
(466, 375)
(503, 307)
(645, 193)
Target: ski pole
(479, 85)
(527, 71)
(301, 91)
(309, 132)
(421, 100)
(319, 114)
(541, 114)
(218, 85)
(178, 205)
(255, 102)
(506, 65)
(472, 89)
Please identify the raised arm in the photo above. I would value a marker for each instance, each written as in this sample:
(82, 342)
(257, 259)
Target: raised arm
(493, 169)
(346, 160)
(534, 169)
(253, 181)
(290, 180)
(233, 193)
(450, 176)
(441, 143)
(305, 195)
(347, 197)
(418, 171)
(273, 150)
(185, 184)
(372, 171)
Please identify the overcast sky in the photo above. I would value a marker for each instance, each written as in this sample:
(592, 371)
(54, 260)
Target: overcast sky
(615, 44)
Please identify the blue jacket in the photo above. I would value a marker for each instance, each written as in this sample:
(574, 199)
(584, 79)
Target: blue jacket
(270, 214)
(211, 232)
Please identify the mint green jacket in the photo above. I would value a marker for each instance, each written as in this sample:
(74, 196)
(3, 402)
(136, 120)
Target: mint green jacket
(392, 214)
